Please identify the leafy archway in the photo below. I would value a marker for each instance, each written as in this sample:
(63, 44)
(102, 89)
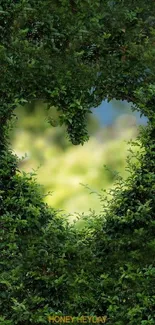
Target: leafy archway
(73, 55)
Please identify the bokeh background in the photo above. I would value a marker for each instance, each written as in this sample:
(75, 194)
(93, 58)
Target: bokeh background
(73, 177)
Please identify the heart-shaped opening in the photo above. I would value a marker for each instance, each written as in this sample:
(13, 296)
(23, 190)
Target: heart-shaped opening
(71, 173)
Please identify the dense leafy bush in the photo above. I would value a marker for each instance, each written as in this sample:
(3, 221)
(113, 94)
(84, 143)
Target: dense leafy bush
(74, 54)
(33, 245)
(123, 247)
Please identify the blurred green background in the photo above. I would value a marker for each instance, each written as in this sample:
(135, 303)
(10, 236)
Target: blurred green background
(70, 173)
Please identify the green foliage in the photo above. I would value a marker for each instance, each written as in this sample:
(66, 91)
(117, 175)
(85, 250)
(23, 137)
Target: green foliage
(35, 250)
(125, 244)
(72, 55)
(121, 249)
